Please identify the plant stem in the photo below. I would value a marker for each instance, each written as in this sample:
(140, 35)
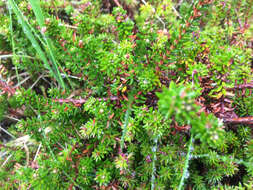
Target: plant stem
(154, 149)
(125, 124)
(186, 165)
(13, 44)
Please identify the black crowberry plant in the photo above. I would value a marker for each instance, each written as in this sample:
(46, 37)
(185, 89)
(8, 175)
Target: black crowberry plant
(126, 94)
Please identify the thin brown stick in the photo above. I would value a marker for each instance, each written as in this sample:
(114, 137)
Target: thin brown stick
(117, 3)
(82, 101)
(240, 120)
(241, 86)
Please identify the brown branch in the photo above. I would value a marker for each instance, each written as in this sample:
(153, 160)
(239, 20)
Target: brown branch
(117, 3)
(240, 120)
(241, 86)
(82, 101)
(6, 88)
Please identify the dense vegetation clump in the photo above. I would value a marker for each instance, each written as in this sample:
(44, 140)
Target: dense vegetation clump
(126, 94)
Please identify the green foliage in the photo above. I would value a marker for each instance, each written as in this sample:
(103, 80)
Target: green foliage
(29, 32)
(178, 102)
(153, 84)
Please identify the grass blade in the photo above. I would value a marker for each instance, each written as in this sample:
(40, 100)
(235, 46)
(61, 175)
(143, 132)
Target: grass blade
(40, 18)
(37, 11)
(127, 114)
(14, 58)
(28, 32)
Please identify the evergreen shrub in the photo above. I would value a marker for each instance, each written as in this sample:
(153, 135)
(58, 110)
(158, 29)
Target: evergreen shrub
(126, 94)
